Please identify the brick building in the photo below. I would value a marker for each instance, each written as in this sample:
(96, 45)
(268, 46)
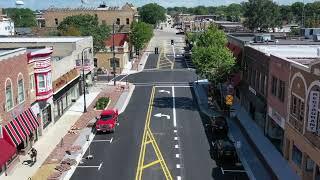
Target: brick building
(19, 125)
(123, 16)
(302, 135)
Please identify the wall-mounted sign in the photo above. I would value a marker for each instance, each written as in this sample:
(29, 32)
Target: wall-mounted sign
(313, 111)
(252, 90)
(276, 117)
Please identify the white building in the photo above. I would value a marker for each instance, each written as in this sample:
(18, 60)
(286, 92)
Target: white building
(6, 26)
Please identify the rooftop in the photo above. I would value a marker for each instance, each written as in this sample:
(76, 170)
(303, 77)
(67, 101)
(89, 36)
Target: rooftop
(65, 39)
(5, 52)
(301, 54)
(119, 39)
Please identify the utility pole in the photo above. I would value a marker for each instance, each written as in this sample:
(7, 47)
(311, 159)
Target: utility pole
(114, 56)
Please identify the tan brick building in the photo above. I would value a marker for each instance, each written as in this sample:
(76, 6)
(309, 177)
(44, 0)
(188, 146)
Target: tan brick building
(302, 135)
(106, 15)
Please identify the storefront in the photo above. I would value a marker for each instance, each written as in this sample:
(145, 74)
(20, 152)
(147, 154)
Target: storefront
(8, 154)
(22, 131)
(275, 128)
(63, 99)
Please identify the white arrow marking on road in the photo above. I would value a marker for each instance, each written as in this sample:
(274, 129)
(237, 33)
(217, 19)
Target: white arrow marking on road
(164, 91)
(162, 115)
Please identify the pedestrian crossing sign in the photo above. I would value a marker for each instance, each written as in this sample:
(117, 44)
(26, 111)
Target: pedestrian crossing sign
(229, 100)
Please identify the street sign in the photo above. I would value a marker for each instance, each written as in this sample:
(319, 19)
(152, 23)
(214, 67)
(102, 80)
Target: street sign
(229, 100)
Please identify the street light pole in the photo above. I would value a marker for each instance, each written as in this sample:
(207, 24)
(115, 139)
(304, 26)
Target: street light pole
(114, 56)
(84, 81)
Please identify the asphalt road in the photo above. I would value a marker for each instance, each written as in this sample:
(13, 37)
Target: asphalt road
(161, 134)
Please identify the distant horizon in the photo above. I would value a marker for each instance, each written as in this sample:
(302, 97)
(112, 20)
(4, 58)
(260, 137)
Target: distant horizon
(43, 4)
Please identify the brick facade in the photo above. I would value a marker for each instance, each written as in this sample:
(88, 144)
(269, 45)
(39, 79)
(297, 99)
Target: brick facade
(126, 14)
(10, 67)
(298, 138)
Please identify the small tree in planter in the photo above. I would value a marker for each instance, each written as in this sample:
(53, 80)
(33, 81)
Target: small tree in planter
(102, 103)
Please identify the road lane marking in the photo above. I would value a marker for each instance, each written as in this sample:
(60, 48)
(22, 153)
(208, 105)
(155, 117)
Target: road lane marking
(177, 155)
(178, 177)
(174, 108)
(159, 115)
(178, 166)
(176, 146)
(124, 77)
(148, 137)
(176, 138)
(164, 91)
(151, 164)
(175, 131)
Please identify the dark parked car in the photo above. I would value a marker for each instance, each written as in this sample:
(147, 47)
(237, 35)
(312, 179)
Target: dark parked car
(219, 127)
(224, 152)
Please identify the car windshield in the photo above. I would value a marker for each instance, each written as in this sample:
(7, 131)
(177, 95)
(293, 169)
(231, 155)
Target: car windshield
(106, 117)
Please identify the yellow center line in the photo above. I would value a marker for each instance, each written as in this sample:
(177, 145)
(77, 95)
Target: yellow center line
(151, 164)
(149, 138)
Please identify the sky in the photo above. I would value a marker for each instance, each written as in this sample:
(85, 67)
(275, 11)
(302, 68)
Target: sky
(43, 4)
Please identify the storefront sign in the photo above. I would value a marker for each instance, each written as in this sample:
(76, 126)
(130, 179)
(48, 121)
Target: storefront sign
(276, 117)
(313, 111)
(252, 90)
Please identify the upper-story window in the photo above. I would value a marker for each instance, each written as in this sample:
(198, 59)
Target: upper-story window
(118, 21)
(56, 21)
(31, 79)
(20, 89)
(127, 21)
(41, 81)
(297, 107)
(9, 95)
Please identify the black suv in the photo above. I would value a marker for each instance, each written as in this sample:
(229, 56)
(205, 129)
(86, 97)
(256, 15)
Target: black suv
(224, 152)
(219, 127)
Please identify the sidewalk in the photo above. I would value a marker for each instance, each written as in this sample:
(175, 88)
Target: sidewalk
(259, 157)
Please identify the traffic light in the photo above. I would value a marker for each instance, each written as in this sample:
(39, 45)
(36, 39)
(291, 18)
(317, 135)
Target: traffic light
(172, 43)
(156, 50)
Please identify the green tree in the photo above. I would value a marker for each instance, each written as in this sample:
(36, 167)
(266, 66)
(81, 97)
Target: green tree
(210, 56)
(22, 17)
(141, 33)
(152, 13)
(297, 9)
(261, 14)
(87, 25)
(212, 37)
(213, 62)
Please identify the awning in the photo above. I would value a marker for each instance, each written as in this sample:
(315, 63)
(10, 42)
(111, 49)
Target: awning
(20, 127)
(7, 151)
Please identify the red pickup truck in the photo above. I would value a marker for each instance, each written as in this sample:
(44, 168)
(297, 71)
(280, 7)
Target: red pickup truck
(107, 120)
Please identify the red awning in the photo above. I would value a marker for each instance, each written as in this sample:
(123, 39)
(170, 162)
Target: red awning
(7, 151)
(19, 128)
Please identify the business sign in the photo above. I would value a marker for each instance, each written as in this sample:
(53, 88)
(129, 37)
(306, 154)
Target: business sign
(313, 111)
(276, 117)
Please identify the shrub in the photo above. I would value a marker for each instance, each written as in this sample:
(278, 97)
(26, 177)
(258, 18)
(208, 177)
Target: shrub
(102, 103)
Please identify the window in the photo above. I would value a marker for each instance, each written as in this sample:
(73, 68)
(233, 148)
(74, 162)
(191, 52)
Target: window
(41, 81)
(95, 62)
(296, 155)
(31, 79)
(56, 21)
(117, 63)
(281, 91)
(20, 91)
(274, 83)
(9, 95)
(297, 108)
(309, 164)
(127, 21)
(118, 21)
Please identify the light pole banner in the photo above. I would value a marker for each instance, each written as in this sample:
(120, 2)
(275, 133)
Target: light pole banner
(313, 111)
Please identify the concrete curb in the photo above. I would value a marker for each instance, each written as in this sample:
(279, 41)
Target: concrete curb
(126, 102)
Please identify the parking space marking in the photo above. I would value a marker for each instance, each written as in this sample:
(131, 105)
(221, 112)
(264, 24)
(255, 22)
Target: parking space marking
(103, 140)
(98, 167)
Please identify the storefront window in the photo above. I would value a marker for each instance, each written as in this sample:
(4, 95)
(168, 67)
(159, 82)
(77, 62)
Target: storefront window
(317, 175)
(296, 155)
(46, 116)
(309, 164)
